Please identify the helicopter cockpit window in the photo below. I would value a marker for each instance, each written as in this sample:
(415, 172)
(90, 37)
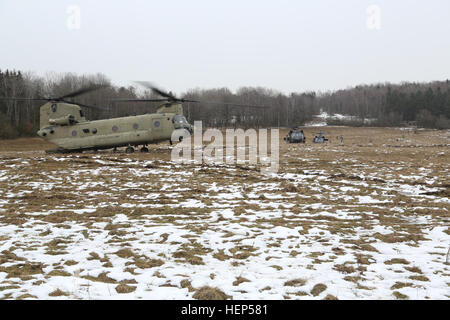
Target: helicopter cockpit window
(54, 106)
(179, 121)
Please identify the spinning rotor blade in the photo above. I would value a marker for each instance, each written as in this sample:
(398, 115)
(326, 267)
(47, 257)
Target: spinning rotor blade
(139, 100)
(83, 105)
(45, 99)
(69, 95)
(83, 91)
(172, 98)
(157, 91)
(25, 99)
(193, 101)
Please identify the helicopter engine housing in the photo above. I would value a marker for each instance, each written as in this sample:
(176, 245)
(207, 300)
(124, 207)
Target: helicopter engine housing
(63, 121)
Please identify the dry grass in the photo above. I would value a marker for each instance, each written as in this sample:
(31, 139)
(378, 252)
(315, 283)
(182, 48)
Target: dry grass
(58, 293)
(124, 288)
(399, 285)
(419, 278)
(185, 283)
(102, 277)
(295, 283)
(318, 289)
(344, 268)
(400, 295)
(322, 210)
(240, 280)
(23, 271)
(209, 293)
(396, 261)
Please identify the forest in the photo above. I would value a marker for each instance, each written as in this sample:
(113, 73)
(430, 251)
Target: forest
(423, 104)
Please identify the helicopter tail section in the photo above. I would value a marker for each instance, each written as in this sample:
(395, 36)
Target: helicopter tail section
(57, 113)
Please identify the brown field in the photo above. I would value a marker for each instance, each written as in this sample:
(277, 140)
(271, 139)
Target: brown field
(368, 219)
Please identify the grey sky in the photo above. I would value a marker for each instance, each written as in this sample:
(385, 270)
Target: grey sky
(286, 45)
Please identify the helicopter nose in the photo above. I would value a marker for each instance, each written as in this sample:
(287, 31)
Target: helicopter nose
(189, 128)
(43, 133)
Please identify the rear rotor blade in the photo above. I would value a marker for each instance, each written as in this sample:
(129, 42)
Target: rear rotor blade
(192, 101)
(172, 98)
(139, 100)
(156, 90)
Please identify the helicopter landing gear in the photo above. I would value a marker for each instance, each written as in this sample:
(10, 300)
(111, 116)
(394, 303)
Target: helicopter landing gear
(115, 150)
(129, 149)
(144, 149)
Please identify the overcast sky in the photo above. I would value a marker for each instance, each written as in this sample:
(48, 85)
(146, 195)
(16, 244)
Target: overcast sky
(289, 45)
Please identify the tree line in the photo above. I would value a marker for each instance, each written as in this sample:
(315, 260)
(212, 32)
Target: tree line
(427, 104)
(422, 104)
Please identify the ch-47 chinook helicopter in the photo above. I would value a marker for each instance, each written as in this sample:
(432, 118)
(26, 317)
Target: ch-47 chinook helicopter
(64, 124)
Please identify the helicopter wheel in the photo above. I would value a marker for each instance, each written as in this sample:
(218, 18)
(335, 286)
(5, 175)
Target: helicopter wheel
(129, 150)
(144, 149)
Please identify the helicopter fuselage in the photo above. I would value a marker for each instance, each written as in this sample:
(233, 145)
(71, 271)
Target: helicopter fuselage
(65, 126)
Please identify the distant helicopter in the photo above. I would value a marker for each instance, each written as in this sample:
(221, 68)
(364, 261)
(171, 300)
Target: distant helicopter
(295, 135)
(64, 124)
(320, 138)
